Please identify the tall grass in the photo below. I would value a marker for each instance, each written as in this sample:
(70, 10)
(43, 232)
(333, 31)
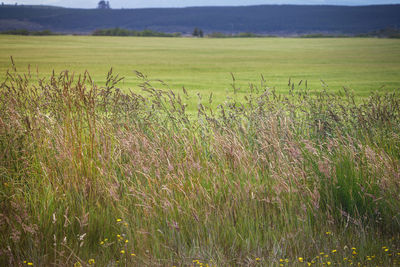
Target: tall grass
(91, 175)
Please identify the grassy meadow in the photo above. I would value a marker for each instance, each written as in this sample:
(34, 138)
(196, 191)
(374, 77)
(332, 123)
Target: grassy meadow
(204, 65)
(276, 173)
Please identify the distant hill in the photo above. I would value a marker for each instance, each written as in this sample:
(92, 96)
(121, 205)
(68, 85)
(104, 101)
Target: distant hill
(265, 19)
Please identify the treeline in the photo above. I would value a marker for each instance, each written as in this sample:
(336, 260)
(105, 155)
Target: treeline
(196, 33)
(238, 35)
(123, 32)
(382, 33)
(27, 32)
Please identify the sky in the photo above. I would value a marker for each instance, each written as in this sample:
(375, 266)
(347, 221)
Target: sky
(186, 3)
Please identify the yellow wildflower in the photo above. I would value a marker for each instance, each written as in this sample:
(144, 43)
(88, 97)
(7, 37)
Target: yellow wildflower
(301, 259)
(257, 259)
(91, 261)
(334, 251)
(30, 263)
(122, 251)
(118, 220)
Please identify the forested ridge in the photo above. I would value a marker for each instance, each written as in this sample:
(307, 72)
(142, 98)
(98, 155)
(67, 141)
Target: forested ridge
(265, 19)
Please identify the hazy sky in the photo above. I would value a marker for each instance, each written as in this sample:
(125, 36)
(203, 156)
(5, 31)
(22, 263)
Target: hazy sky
(185, 3)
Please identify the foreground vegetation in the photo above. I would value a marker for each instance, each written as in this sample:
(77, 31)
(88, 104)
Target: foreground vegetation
(91, 175)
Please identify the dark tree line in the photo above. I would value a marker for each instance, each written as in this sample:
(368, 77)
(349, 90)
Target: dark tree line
(124, 32)
(103, 5)
(198, 32)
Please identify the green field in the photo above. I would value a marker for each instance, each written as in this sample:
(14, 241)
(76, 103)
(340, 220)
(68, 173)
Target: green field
(204, 65)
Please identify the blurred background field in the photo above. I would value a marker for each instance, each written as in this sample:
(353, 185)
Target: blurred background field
(204, 65)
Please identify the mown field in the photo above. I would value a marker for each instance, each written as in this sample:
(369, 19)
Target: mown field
(204, 65)
(96, 176)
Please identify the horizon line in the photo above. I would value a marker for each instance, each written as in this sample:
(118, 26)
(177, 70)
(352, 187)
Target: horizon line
(208, 6)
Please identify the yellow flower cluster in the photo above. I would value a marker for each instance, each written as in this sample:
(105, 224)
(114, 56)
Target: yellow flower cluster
(201, 264)
(324, 259)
